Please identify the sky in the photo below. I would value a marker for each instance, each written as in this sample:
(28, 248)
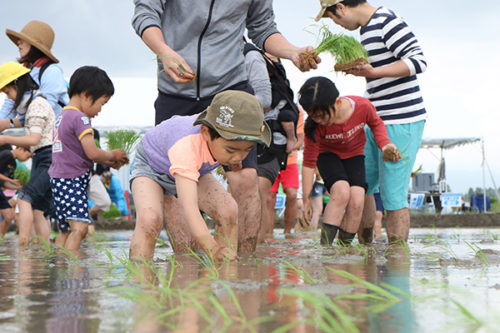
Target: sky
(461, 44)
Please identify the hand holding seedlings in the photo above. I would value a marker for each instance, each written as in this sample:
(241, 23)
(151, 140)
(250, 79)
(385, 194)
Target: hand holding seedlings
(222, 253)
(390, 153)
(349, 54)
(120, 158)
(176, 67)
(364, 70)
(306, 59)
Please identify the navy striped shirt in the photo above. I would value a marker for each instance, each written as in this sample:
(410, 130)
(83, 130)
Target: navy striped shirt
(388, 39)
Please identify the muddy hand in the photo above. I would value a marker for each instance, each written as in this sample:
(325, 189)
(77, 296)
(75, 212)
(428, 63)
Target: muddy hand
(390, 153)
(224, 253)
(365, 70)
(306, 59)
(120, 156)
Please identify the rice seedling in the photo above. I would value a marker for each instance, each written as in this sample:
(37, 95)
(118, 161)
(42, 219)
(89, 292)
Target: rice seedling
(477, 323)
(399, 247)
(478, 253)
(47, 246)
(346, 50)
(23, 174)
(324, 314)
(160, 243)
(166, 301)
(69, 254)
(297, 270)
(378, 292)
(122, 139)
(113, 212)
(182, 70)
(221, 172)
(489, 234)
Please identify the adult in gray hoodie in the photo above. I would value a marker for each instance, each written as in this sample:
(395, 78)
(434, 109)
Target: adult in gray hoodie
(200, 53)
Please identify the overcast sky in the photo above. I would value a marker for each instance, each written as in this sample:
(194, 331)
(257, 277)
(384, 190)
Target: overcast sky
(460, 40)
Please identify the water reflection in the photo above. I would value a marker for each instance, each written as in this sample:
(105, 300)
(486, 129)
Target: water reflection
(289, 284)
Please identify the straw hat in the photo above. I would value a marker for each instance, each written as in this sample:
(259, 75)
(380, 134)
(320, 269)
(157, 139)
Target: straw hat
(36, 33)
(11, 71)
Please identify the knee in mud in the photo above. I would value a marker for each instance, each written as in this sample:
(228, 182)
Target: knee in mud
(229, 215)
(150, 223)
(81, 231)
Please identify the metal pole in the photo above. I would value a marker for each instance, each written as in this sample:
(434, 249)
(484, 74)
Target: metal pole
(484, 177)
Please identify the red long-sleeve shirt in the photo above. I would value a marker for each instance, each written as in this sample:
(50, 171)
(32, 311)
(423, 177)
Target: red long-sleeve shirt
(348, 139)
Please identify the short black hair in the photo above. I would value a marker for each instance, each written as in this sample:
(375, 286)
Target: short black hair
(213, 133)
(33, 55)
(91, 81)
(316, 96)
(347, 3)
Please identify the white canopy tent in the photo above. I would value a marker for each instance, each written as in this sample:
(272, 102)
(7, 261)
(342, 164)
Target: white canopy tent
(449, 143)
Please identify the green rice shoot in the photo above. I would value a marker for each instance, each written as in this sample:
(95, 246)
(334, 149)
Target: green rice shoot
(23, 174)
(343, 48)
(122, 139)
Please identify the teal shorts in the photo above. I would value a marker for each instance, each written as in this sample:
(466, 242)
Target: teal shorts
(392, 179)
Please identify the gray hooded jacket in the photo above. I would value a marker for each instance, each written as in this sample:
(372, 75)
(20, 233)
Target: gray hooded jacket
(208, 34)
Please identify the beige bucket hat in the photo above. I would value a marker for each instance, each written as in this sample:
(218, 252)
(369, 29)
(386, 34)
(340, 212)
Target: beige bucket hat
(324, 5)
(36, 33)
(236, 115)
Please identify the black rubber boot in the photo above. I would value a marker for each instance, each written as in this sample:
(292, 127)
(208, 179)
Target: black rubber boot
(345, 238)
(328, 233)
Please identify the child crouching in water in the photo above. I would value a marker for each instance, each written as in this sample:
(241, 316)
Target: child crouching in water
(335, 141)
(74, 152)
(177, 157)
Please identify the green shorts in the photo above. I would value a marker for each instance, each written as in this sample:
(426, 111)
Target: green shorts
(393, 179)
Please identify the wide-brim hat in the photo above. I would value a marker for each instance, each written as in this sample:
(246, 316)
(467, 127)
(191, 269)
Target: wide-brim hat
(324, 5)
(38, 34)
(236, 115)
(11, 71)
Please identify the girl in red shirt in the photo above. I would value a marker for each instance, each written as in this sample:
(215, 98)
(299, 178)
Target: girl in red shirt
(335, 141)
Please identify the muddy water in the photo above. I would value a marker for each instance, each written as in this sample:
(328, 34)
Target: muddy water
(448, 280)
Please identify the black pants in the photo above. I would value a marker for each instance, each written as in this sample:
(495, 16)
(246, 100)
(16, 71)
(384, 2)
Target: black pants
(167, 106)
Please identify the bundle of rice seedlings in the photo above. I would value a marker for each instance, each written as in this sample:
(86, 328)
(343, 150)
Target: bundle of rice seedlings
(122, 139)
(23, 174)
(346, 50)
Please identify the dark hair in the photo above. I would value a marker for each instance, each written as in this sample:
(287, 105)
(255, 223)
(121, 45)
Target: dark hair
(107, 175)
(33, 55)
(92, 81)
(6, 146)
(213, 133)
(317, 95)
(347, 3)
(23, 84)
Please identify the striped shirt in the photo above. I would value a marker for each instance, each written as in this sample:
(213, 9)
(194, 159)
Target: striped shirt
(388, 39)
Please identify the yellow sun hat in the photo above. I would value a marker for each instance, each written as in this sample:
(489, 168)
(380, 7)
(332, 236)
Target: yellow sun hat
(11, 71)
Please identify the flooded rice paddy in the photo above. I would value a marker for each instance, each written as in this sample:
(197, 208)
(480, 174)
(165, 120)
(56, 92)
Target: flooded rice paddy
(446, 280)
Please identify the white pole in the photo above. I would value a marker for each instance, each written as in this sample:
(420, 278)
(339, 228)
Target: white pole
(484, 177)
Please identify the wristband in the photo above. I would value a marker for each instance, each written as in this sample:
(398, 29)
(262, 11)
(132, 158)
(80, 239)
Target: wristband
(12, 125)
